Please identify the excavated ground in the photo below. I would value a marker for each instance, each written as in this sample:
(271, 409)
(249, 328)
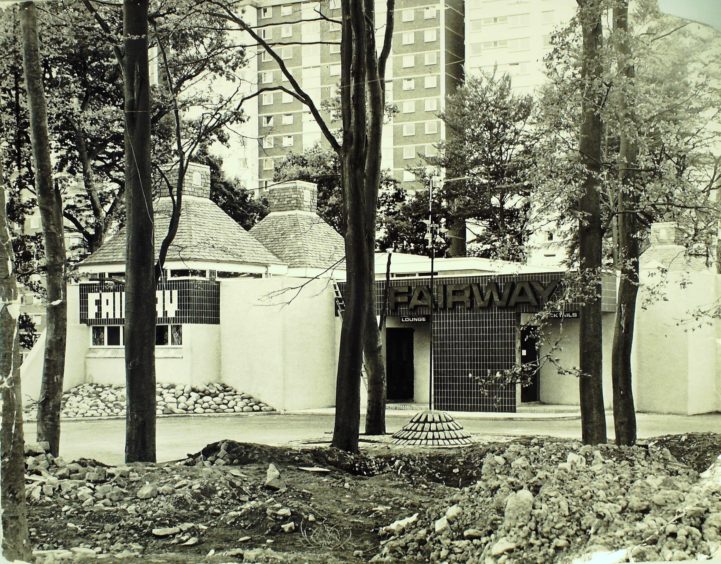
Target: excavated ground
(523, 500)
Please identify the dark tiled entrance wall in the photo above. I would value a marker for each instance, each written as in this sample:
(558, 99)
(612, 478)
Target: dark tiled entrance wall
(470, 346)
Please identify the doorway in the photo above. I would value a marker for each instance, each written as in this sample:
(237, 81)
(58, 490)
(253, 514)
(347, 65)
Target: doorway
(529, 359)
(399, 364)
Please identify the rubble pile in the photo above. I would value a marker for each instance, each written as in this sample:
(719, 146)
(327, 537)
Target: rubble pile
(99, 400)
(547, 500)
(134, 509)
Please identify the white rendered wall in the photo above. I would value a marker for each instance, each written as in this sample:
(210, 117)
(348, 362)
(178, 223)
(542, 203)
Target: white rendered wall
(675, 357)
(78, 339)
(282, 353)
(562, 389)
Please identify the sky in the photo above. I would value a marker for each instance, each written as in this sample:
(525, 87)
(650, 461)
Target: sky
(703, 11)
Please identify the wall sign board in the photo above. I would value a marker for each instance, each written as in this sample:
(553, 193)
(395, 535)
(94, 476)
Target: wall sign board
(178, 301)
(474, 295)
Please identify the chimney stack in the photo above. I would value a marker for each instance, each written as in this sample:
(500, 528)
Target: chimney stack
(294, 195)
(196, 182)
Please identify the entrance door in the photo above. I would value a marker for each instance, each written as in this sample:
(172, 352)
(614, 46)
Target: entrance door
(529, 357)
(399, 364)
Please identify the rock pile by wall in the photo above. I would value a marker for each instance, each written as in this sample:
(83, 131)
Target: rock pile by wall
(98, 400)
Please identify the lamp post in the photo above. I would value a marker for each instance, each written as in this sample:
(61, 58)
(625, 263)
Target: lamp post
(431, 427)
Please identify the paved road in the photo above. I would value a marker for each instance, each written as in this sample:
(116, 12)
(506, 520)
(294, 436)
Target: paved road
(177, 436)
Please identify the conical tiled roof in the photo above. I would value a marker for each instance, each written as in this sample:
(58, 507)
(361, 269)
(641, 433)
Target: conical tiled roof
(205, 233)
(294, 232)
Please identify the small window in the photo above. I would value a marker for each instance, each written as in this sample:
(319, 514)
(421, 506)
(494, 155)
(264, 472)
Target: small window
(287, 141)
(267, 121)
(430, 81)
(334, 70)
(113, 336)
(431, 127)
(429, 35)
(408, 38)
(266, 13)
(197, 179)
(286, 10)
(429, 13)
(409, 106)
(408, 61)
(162, 337)
(287, 119)
(409, 83)
(286, 31)
(266, 77)
(286, 98)
(267, 99)
(431, 105)
(333, 4)
(409, 152)
(409, 129)
(267, 142)
(431, 58)
(98, 336)
(266, 33)
(176, 335)
(265, 56)
(334, 49)
(408, 176)
(267, 164)
(287, 53)
(407, 15)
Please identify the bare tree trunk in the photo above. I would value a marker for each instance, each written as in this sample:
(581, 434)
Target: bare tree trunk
(14, 525)
(375, 364)
(624, 413)
(353, 162)
(140, 316)
(50, 205)
(593, 421)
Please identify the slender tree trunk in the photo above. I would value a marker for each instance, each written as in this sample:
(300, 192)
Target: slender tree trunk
(375, 364)
(593, 421)
(91, 189)
(457, 234)
(50, 205)
(624, 414)
(14, 525)
(373, 343)
(140, 316)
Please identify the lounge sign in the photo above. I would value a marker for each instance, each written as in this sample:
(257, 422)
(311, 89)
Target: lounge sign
(474, 296)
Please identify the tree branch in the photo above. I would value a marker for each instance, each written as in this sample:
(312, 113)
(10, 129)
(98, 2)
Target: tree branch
(302, 95)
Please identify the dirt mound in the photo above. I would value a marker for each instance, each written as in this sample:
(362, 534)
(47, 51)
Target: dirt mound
(450, 467)
(545, 501)
(698, 450)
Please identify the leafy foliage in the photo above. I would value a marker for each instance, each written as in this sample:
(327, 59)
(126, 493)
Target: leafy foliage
(83, 86)
(488, 150)
(675, 99)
